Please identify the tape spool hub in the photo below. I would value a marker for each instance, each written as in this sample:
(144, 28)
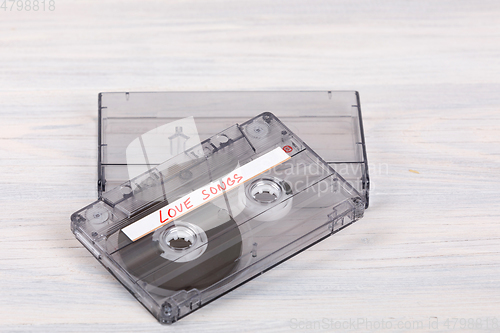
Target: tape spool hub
(265, 190)
(179, 238)
(182, 242)
(264, 196)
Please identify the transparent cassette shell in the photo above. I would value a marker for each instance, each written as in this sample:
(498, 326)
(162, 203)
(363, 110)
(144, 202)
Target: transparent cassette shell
(186, 263)
(329, 121)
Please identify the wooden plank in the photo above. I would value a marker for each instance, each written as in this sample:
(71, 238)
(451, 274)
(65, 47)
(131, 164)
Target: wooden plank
(428, 246)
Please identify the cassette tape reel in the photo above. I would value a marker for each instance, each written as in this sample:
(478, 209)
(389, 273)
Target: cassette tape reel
(207, 220)
(191, 252)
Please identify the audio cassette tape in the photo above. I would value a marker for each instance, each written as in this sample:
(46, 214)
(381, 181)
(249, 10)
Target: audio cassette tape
(216, 215)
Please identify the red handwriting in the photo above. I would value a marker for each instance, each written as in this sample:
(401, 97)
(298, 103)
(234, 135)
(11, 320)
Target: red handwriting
(172, 212)
(230, 181)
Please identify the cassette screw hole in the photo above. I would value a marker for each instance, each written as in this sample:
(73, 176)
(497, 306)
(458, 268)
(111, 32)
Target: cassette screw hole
(186, 174)
(126, 189)
(149, 182)
(258, 129)
(207, 151)
(254, 250)
(223, 138)
(97, 214)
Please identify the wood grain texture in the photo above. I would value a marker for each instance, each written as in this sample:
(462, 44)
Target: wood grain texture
(428, 76)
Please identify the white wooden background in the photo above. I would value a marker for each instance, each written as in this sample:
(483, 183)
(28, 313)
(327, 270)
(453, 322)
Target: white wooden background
(429, 77)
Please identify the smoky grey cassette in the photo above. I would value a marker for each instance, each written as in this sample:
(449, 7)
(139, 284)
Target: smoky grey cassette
(215, 215)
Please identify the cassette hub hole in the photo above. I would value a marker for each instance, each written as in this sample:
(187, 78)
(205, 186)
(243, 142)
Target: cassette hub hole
(180, 238)
(181, 242)
(258, 129)
(265, 191)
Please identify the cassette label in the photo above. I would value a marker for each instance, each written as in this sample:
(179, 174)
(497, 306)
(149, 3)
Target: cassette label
(205, 194)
